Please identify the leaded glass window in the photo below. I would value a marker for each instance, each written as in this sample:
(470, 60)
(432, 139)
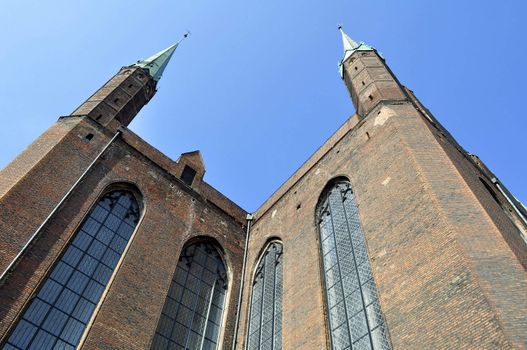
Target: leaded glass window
(355, 317)
(192, 314)
(59, 313)
(265, 320)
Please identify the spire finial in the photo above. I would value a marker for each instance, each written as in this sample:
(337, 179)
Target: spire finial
(157, 63)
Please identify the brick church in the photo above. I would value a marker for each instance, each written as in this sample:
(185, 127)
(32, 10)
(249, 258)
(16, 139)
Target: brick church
(390, 236)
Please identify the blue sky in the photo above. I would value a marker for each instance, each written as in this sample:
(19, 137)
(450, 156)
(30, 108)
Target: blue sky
(256, 86)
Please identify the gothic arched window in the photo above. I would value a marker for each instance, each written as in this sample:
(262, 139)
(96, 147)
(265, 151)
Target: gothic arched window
(355, 318)
(265, 319)
(192, 314)
(58, 315)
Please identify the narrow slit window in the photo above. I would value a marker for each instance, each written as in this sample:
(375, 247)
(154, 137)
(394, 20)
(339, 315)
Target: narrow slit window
(355, 318)
(59, 313)
(265, 320)
(188, 174)
(192, 314)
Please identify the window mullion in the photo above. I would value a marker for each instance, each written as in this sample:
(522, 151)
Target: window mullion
(208, 313)
(180, 301)
(264, 270)
(326, 291)
(357, 270)
(330, 209)
(62, 322)
(190, 308)
(266, 311)
(195, 303)
(274, 298)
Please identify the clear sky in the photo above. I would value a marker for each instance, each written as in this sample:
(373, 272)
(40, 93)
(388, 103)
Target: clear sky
(256, 86)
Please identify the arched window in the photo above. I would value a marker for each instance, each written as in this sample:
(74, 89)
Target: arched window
(265, 320)
(57, 316)
(192, 314)
(355, 317)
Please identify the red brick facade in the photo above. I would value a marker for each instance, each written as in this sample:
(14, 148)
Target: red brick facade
(445, 245)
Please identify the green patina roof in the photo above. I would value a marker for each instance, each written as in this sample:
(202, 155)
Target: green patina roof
(350, 46)
(157, 63)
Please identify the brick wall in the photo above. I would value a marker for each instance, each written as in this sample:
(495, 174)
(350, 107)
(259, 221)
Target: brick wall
(446, 257)
(446, 274)
(173, 214)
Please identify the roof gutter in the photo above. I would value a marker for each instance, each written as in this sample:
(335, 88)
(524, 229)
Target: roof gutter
(512, 203)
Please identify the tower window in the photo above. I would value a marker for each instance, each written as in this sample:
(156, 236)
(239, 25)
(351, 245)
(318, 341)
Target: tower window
(265, 320)
(192, 314)
(89, 136)
(188, 174)
(355, 318)
(61, 310)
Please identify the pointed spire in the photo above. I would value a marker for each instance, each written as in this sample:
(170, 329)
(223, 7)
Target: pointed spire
(350, 46)
(347, 42)
(157, 63)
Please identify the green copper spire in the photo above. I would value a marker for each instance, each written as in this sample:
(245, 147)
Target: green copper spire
(347, 42)
(350, 46)
(157, 63)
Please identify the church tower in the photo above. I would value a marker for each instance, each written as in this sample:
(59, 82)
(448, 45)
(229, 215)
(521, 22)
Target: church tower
(108, 110)
(94, 224)
(367, 78)
(123, 96)
(391, 236)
